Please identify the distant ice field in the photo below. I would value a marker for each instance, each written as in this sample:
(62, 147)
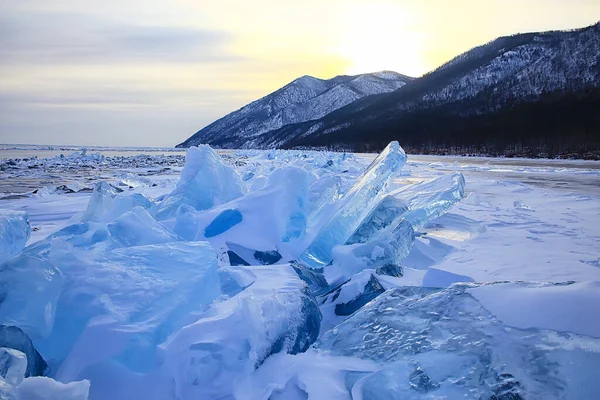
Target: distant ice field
(577, 175)
(553, 205)
(8, 151)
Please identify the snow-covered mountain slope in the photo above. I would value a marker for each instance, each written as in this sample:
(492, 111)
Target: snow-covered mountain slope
(525, 67)
(305, 99)
(526, 90)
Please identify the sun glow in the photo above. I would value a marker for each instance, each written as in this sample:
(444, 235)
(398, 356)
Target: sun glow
(382, 36)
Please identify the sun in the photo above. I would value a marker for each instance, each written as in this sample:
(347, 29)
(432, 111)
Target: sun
(381, 36)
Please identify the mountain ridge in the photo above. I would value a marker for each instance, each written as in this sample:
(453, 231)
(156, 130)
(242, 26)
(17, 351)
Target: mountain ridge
(450, 111)
(525, 94)
(303, 99)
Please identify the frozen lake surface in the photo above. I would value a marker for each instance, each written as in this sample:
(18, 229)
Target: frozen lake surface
(576, 175)
(407, 281)
(8, 151)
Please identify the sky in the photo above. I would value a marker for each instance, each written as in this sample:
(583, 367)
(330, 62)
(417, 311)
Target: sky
(151, 73)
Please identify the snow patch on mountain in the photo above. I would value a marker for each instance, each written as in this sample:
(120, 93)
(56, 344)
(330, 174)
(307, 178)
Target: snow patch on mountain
(548, 62)
(304, 99)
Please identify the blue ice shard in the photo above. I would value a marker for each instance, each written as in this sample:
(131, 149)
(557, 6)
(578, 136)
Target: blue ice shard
(83, 235)
(389, 210)
(186, 222)
(431, 199)
(107, 203)
(234, 280)
(12, 337)
(370, 290)
(386, 248)
(206, 181)
(100, 202)
(274, 314)
(312, 277)
(133, 228)
(345, 298)
(293, 200)
(138, 228)
(133, 297)
(355, 206)
(13, 364)
(434, 343)
(386, 235)
(324, 190)
(29, 291)
(14, 233)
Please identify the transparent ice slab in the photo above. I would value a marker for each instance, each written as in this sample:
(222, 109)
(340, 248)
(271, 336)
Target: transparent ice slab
(431, 199)
(30, 288)
(443, 343)
(354, 206)
(132, 297)
(14, 233)
(274, 314)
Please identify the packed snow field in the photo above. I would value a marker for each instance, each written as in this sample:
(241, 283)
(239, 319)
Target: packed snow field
(295, 275)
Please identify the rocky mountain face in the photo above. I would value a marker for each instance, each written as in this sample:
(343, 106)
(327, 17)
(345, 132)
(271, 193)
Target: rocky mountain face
(529, 94)
(305, 99)
(533, 94)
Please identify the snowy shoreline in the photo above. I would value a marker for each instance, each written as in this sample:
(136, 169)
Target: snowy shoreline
(19, 151)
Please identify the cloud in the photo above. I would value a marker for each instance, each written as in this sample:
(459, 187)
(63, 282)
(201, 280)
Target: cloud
(62, 38)
(125, 98)
(131, 116)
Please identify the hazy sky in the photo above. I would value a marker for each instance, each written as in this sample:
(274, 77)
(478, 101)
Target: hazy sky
(151, 73)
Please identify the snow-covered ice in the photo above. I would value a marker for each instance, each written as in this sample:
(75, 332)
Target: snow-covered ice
(205, 181)
(298, 274)
(106, 205)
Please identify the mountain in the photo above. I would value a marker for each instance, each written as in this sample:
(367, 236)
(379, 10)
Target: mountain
(305, 99)
(528, 94)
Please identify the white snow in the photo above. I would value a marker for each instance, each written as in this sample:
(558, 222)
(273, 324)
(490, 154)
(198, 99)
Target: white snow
(43, 388)
(555, 307)
(15, 386)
